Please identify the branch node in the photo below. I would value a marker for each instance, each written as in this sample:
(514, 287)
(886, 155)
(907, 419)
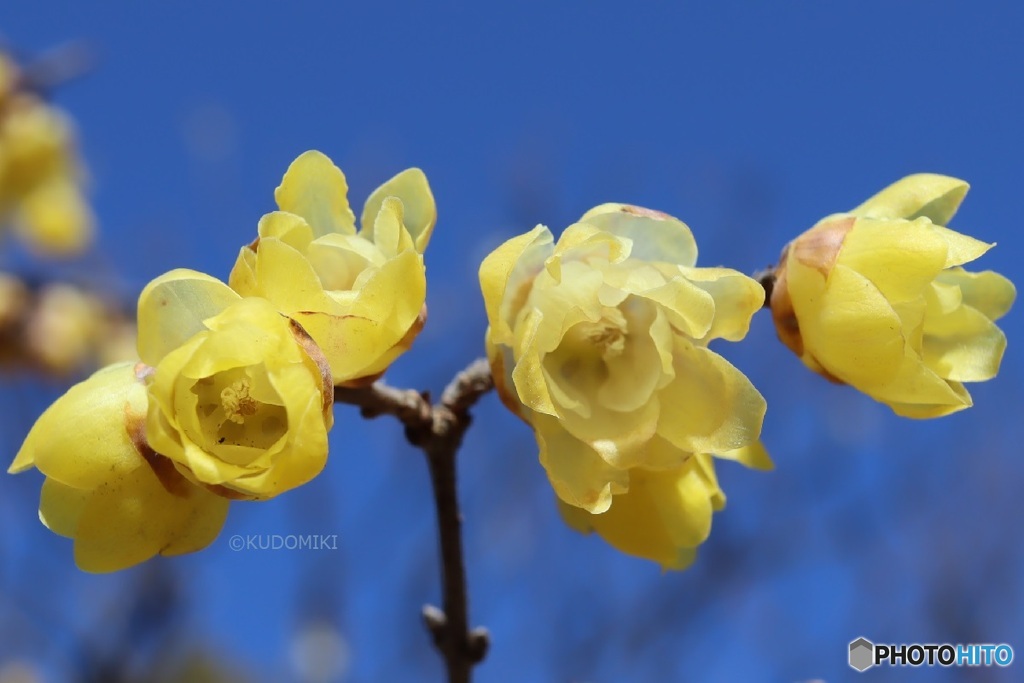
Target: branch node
(478, 644)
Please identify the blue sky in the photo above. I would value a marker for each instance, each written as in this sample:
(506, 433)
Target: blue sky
(747, 120)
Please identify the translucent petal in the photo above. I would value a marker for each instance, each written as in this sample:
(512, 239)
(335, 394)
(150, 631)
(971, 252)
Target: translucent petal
(389, 233)
(507, 275)
(662, 517)
(60, 507)
(350, 344)
(656, 236)
(988, 292)
(754, 455)
(528, 376)
(412, 188)
(922, 411)
(314, 188)
(933, 196)
(290, 228)
(578, 474)
(847, 325)
(173, 307)
(899, 257)
(242, 278)
(302, 459)
(689, 307)
(288, 278)
(82, 438)
(394, 295)
(736, 299)
(131, 518)
(962, 345)
(710, 406)
(962, 248)
(914, 382)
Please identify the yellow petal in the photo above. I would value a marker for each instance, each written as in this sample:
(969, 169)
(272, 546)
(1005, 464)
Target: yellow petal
(656, 236)
(899, 257)
(754, 455)
(287, 227)
(60, 507)
(420, 211)
(710, 406)
(314, 188)
(915, 383)
(288, 279)
(962, 248)
(846, 324)
(736, 299)
(662, 517)
(962, 345)
(132, 518)
(577, 473)
(173, 307)
(81, 440)
(987, 291)
(936, 197)
(528, 375)
(389, 232)
(507, 274)
(242, 278)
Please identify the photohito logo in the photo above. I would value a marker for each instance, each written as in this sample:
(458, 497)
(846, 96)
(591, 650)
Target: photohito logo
(864, 654)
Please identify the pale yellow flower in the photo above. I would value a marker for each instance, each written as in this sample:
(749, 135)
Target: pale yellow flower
(241, 398)
(105, 488)
(600, 344)
(877, 298)
(360, 295)
(40, 177)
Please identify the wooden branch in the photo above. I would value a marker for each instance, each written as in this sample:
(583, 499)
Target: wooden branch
(437, 429)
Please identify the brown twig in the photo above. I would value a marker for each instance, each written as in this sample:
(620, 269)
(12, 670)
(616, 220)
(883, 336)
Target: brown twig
(437, 429)
(58, 66)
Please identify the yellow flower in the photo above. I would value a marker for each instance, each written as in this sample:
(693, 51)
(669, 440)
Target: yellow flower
(876, 298)
(600, 344)
(40, 176)
(105, 488)
(665, 514)
(240, 399)
(362, 295)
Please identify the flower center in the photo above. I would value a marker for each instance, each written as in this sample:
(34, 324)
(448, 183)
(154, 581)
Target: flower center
(236, 401)
(237, 408)
(607, 334)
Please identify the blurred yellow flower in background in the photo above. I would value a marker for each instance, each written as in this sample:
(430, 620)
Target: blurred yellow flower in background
(105, 488)
(876, 298)
(40, 173)
(600, 344)
(241, 398)
(360, 295)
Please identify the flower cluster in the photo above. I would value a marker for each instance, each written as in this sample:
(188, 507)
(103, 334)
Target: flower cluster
(599, 342)
(40, 174)
(233, 397)
(876, 298)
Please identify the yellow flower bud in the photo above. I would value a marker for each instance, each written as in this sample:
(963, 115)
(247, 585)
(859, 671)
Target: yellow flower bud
(600, 344)
(362, 295)
(40, 176)
(876, 298)
(105, 488)
(241, 398)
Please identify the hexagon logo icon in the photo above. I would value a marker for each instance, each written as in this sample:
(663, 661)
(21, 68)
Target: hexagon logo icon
(862, 654)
